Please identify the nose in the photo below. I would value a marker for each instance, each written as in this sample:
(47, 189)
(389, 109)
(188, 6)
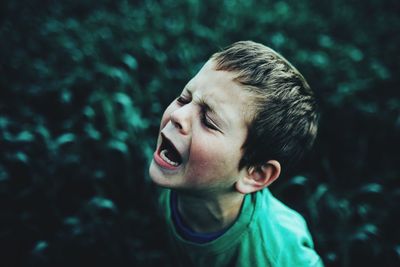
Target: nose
(180, 118)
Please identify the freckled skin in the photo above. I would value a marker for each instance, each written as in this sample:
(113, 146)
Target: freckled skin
(210, 157)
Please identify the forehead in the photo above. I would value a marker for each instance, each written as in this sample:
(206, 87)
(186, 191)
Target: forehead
(218, 89)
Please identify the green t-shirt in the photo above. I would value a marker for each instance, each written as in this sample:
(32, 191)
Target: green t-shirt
(266, 233)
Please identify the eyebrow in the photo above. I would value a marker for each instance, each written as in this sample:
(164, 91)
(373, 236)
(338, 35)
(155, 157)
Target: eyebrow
(206, 107)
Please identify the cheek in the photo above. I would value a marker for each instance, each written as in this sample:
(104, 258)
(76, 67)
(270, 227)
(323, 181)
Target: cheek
(211, 160)
(202, 155)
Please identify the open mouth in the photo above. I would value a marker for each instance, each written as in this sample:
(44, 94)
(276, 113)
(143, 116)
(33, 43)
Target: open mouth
(169, 153)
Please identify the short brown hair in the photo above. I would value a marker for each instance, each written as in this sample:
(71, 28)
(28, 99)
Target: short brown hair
(285, 119)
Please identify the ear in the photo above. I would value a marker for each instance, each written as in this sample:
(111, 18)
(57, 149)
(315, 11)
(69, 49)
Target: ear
(257, 178)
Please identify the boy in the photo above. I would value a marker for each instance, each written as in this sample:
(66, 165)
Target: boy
(247, 114)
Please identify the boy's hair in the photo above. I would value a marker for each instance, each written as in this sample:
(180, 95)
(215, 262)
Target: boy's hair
(284, 113)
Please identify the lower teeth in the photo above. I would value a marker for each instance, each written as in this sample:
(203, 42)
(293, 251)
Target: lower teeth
(164, 157)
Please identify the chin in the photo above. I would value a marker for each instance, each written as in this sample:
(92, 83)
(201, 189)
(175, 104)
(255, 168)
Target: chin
(157, 176)
(154, 173)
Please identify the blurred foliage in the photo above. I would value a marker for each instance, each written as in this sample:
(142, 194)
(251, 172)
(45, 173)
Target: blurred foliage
(82, 88)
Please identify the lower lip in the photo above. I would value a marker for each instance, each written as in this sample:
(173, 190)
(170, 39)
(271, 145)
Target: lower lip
(160, 162)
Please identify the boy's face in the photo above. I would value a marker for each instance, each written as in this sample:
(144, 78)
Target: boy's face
(201, 134)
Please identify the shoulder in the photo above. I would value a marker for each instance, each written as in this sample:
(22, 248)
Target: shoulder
(284, 233)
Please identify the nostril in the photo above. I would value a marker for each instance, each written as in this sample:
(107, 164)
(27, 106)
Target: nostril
(177, 124)
(175, 121)
(181, 120)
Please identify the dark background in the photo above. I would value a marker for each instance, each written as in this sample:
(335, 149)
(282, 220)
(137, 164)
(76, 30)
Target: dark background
(82, 88)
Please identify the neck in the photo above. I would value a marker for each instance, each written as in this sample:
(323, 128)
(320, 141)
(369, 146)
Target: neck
(209, 214)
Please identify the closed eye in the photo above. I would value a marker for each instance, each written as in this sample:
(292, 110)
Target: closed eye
(182, 100)
(207, 121)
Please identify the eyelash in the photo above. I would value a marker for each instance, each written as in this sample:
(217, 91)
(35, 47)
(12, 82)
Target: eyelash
(204, 119)
(182, 100)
